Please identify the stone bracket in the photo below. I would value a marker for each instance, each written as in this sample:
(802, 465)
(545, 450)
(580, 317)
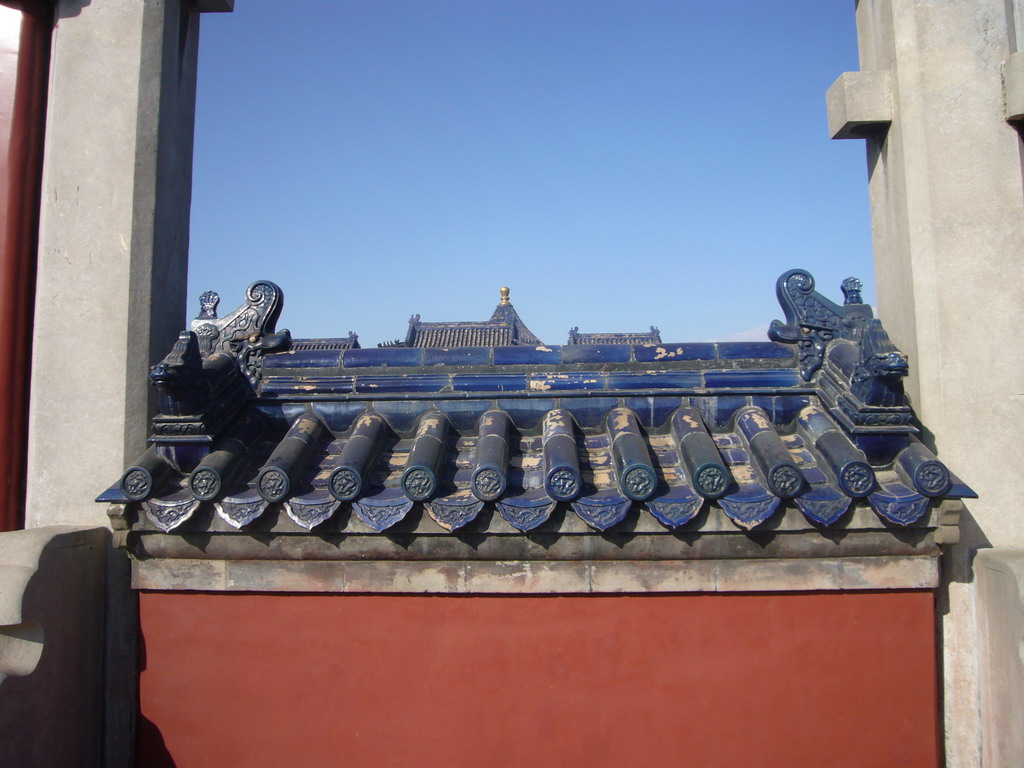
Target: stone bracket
(859, 104)
(1013, 87)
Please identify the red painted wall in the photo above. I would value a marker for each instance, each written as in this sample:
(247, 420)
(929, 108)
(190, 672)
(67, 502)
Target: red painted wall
(25, 27)
(841, 679)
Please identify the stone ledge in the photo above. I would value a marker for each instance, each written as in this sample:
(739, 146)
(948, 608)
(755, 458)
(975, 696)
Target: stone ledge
(1013, 87)
(859, 104)
(524, 577)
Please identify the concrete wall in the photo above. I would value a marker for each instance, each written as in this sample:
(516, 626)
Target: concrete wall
(947, 200)
(113, 242)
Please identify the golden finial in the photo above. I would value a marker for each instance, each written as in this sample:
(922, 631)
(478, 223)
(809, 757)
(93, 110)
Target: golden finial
(504, 294)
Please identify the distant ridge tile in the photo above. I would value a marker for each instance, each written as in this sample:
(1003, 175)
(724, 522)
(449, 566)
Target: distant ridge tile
(647, 353)
(754, 350)
(654, 380)
(772, 377)
(597, 353)
(393, 357)
(392, 384)
(304, 358)
(527, 355)
(457, 356)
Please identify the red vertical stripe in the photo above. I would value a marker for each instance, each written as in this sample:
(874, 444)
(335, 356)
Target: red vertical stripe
(25, 29)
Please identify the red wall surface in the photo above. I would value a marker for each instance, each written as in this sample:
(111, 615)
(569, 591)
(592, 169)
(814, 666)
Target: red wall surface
(25, 27)
(841, 679)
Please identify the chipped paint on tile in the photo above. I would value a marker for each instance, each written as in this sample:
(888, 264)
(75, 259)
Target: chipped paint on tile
(667, 354)
(744, 474)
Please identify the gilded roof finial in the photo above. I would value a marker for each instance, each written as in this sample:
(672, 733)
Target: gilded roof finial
(504, 294)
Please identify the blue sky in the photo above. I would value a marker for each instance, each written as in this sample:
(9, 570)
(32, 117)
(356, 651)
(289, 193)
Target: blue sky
(618, 164)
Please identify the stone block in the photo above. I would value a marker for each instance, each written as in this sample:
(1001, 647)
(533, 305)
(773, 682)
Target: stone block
(859, 104)
(1013, 86)
(52, 608)
(1000, 579)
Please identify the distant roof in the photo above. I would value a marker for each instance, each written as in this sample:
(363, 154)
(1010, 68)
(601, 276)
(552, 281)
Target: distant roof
(504, 329)
(644, 337)
(346, 342)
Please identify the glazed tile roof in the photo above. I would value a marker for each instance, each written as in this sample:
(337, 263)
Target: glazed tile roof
(505, 328)
(646, 444)
(644, 337)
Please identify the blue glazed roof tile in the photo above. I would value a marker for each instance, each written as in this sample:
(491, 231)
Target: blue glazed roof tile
(323, 438)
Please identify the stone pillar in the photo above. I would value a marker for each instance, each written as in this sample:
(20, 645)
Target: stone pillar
(946, 189)
(113, 241)
(1000, 578)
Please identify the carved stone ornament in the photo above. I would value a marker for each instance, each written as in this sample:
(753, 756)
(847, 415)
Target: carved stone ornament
(380, 517)
(525, 515)
(345, 484)
(852, 287)
(208, 302)
(451, 513)
(274, 484)
(823, 505)
(179, 378)
(932, 477)
(168, 514)
(488, 484)
(857, 479)
(749, 513)
(205, 484)
(859, 415)
(878, 378)
(247, 333)
(137, 484)
(675, 513)
(418, 485)
(711, 480)
(785, 480)
(564, 484)
(900, 511)
(812, 321)
(310, 513)
(241, 511)
(603, 514)
(639, 482)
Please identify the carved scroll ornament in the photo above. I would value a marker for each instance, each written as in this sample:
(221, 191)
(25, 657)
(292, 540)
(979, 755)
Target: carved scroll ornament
(812, 320)
(248, 332)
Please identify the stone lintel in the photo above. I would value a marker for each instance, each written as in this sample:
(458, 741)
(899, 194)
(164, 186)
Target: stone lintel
(859, 104)
(1013, 86)
(524, 577)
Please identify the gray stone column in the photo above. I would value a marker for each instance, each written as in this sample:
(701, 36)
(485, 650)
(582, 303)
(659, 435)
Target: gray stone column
(947, 202)
(113, 241)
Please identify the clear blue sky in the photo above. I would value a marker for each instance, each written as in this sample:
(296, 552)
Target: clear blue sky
(618, 163)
